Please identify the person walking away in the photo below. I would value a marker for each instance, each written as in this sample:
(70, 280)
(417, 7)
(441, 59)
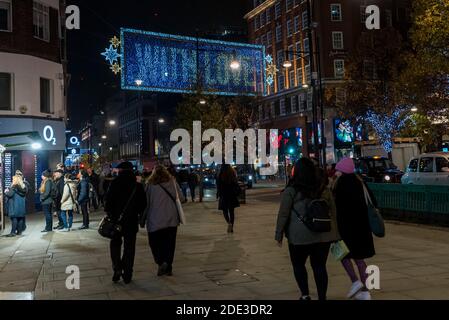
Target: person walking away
(161, 218)
(46, 191)
(83, 198)
(125, 198)
(193, 183)
(94, 180)
(183, 180)
(15, 196)
(353, 226)
(58, 180)
(101, 190)
(308, 182)
(228, 190)
(68, 202)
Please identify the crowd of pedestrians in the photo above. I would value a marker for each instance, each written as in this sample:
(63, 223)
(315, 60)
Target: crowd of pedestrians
(318, 210)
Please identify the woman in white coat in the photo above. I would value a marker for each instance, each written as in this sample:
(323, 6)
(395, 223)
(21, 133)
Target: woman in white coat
(68, 201)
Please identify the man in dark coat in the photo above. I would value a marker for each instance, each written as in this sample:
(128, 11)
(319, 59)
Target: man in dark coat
(125, 196)
(58, 179)
(94, 179)
(83, 198)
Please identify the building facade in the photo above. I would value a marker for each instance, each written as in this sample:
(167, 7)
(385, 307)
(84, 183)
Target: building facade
(316, 38)
(32, 88)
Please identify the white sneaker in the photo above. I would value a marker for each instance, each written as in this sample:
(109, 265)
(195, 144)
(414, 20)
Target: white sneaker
(355, 288)
(362, 295)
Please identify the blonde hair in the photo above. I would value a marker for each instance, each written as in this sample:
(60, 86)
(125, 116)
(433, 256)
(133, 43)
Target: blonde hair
(18, 180)
(160, 175)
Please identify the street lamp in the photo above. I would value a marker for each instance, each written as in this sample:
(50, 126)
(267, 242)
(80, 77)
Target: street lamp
(112, 123)
(235, 65)
(104, 137)
(161, 120)
(287, 64)
(139, 82)
(202, 101)
(36, 146)
(414, 109)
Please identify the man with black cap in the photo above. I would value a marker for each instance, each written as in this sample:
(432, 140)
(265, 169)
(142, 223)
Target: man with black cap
(58, 180)
(125, 198)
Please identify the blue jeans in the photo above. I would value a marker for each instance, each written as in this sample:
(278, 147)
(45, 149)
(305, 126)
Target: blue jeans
(64, 214)
(17, 225)
(48, 217)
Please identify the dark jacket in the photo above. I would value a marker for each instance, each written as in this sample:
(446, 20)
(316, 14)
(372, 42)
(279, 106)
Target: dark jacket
(16, 202)
(182, 176)
(352, 216)
(118, 195)
(83, 191)
(193, 179)
(46, 196)
(94, 179)
(59, 184)
(227, 194)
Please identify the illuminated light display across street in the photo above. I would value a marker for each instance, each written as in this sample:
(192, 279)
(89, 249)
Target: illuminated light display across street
(170, 63)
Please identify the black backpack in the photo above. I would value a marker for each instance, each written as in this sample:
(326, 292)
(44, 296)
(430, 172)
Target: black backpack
(317, 217)
(54, 193)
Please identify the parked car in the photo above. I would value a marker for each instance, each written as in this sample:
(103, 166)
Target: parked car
(428, 169)
(378, 169)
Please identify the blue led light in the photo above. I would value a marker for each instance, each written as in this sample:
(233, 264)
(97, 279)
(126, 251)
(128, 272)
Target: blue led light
(111, 54)
(168, 63)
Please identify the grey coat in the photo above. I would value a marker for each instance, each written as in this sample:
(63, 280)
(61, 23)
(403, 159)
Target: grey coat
(295, 231)
(161, 211)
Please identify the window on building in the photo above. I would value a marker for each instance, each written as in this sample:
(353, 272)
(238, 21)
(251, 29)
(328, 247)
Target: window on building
(281, 82)
(269, 38)
(268, 15)
(388, 18)
(272, 109)
(369, 69)
(298, 50)
(46, 95)
(289, 28)
(41, 21)
(293, 104)
(280, 58)
(337, 40)
(339, 68)
(5, 15)
(288, 5)
(279, 33)
(363, 14)
(5, 91)
(306, 47)
(299, 76)
(282, 107)
(262, 19)
(340, 97)
(336, 12)
(296, 24)
(302, 102)
(291, 53)
(256, 23)
(291, 78)
(277, 9)
(305, 20)
(260, 112)
(307, 75)
(309, 99)
(263, 40)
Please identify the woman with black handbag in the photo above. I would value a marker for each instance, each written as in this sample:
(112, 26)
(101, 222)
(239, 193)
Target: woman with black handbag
(125, 203)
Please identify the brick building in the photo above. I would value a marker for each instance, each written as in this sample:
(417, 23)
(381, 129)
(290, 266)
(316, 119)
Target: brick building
(32, 88)
(335, 26)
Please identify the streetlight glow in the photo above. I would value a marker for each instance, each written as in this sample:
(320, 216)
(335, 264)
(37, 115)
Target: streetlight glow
(36, 146)
(287, 64)
(235, 65)
(112, 122)
(139, 82)
(104, 137)
(414, 109)
(305, 85)
(202, 101)
(161, 120)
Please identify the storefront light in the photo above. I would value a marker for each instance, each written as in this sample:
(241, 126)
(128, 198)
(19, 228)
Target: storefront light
(36, 146)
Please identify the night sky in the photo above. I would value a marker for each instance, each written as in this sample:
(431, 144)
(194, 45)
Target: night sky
(92, 81)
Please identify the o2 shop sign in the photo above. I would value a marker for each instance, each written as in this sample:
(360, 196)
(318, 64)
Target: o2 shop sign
(49, 135)
(74, 141)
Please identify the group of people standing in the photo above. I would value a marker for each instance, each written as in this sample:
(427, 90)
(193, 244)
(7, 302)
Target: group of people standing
(349, 222)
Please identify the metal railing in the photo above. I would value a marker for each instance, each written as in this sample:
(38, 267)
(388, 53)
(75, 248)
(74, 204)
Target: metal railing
(413, 198)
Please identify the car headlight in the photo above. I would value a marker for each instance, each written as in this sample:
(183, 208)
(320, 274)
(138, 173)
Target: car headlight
(387, 178)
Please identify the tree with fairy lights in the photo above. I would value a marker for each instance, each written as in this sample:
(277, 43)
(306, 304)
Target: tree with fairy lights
(372, 89)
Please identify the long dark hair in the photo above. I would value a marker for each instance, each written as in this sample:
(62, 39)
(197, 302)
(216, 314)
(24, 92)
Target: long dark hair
(307, 178)
(227, 174)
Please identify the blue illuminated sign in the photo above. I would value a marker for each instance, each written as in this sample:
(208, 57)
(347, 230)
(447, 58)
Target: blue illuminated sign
(168, 63)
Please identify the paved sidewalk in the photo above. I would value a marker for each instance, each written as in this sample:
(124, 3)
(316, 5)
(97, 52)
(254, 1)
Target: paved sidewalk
(209, 264)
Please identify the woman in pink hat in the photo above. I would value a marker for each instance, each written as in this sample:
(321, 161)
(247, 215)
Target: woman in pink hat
(353, 226)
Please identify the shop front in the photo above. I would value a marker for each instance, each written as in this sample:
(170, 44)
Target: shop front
(31, 155)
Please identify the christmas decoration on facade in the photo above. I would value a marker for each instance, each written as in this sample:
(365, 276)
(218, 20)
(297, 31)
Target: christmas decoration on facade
(112, 56)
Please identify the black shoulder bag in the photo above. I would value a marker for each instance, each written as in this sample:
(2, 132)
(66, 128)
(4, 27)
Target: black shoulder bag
(317, 217)
(112, 229)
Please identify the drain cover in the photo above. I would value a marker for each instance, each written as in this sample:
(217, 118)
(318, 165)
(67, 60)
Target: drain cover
(16, 295)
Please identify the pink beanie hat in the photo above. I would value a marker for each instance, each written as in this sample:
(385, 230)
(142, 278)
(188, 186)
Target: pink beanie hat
(346, 165)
